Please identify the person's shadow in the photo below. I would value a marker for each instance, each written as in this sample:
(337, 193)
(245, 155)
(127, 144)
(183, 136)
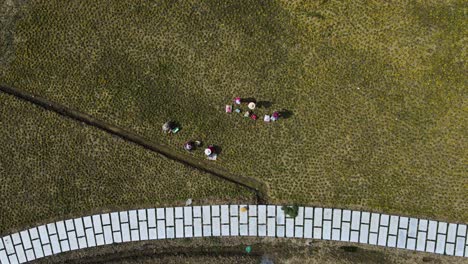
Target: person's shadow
(284, 113)
(264, 104)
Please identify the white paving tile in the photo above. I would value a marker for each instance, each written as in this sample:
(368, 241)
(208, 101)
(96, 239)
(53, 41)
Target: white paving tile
(337, 218)
(225, 230)
(82, 242)
(97, 224)
(234, 209)
(261, 230)
(170, 216)
(73, 241)
(123, 217)
(421, 242)
(243, 230)
(300, 216)
(347, 215)
(252, 226)
(345, 229)
(197, 227)
(355, 220)
(25, 239)
(393, 230)
(54, 242)
(224, 214)
(440, 244)
(383, 231)
(38, 248)
(365, 217)
(281, 231)
(299, 232)
(461, 230)
(20, 254)
(62, 233)
(16, 238)
(80, 231)
(354, 236)
(160, 212)
(327, 229)
(216, 225)
(403, 222)
(459, 246)
(308, 228)
(423, 223)
(125, 232)
(430, 246)
(188, 232)
(105, 219)
(30, 255)
(308, 212)
(108, 237)
(413, 227)
(141, 215)
(133, 219)
(47, 250)
(327, 213)
(206, 215)
(90, 237)
(271, 210)
(261, 214)
(317, 233)
(43, 234)
(384, 219)
(153, 233)
(401, 241)
(432, 230)
(442, 227)
(161, 227)
(252, 210)
(373, 238)
(3, 257)
(374, 226)
(215, 210)
(187, 216)
(243, 217)
(318, 214)
(280, 217)
(392, 242)
(411, 244)
(289, 227)
(207, 231)
(100, 240)
(179, 227)
(170, 232)
(152, 216)
(33, 233)
(336, 234)
(451, 233)
(450, 249)
(234, 226)
(271, 227)
(179, 212)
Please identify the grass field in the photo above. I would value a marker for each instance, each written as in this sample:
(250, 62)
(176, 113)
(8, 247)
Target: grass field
(377, 90)
(54, 168)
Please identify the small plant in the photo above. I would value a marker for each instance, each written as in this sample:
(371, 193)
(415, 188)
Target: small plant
(291, 211)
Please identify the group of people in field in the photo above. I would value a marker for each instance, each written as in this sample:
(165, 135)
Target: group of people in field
(211, 151)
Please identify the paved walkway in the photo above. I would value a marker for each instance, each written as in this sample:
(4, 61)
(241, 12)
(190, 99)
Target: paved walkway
(229, 220)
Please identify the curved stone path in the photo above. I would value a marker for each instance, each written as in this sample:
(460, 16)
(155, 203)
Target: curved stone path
(229, 220)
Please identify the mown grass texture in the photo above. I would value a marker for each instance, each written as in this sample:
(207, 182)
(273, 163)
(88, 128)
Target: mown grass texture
(377, 89)
(54, 168)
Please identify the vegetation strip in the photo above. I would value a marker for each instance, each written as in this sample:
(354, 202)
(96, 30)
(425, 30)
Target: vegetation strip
(235, 221)
(253, 185)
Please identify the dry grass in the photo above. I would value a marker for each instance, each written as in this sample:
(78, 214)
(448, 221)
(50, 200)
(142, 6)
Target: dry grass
(54, 168)
(377, 89)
